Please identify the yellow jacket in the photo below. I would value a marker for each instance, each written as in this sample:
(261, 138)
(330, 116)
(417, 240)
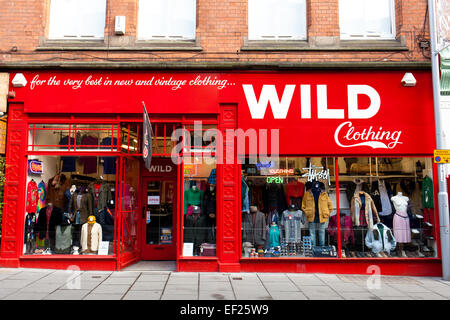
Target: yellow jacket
(309, 206)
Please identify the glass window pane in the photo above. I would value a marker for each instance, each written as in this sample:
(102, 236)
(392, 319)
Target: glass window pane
(270, 19)
(68, 213)
(366, 18)
(392, 197)
(77, 19)
(199, 206)
(167, 19)
(279, 202)
(160, 212)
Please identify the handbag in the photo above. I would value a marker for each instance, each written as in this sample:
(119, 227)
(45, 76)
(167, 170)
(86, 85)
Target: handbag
(208, 250)
(324, 251)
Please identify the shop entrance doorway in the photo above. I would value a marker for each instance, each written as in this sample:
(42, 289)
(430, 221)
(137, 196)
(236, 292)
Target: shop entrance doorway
(159, 218)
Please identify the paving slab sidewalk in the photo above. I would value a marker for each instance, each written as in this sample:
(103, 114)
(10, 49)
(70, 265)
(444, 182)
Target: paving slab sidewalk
(37, 284)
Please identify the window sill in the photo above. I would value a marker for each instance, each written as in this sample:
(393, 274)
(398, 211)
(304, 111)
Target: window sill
(115, 45)
(275, 45)
(325, 44)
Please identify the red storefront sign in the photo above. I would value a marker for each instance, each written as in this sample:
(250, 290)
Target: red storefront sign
(315, 113)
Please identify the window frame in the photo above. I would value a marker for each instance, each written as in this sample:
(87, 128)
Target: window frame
(143, 35)
(256, 36)
(55, 34)
(366, 35)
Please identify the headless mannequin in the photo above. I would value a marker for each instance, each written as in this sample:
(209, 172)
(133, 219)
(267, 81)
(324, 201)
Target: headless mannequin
(402, 231)
(210, 208)
(316, 224)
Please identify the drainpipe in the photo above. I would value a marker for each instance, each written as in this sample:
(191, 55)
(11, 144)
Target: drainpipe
(442, 195)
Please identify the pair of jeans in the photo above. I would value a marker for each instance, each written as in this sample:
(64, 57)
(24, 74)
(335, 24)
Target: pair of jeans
(320, 227)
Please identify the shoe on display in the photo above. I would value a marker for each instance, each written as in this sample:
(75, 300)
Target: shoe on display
(419, 216)
(343, 254)
(419, 254)
(404, 254)
(379, 255)
(415, 231)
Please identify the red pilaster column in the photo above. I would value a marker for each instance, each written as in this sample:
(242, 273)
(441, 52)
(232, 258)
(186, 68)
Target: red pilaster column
(229, 218)
(13, 209)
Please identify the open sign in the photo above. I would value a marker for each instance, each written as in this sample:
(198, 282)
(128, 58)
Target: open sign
(35, 167)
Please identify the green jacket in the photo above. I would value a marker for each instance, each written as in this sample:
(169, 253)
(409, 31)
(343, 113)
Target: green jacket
(427, 193)
(193, 198)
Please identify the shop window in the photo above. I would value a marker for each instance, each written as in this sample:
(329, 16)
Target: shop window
(131, 133)
(277, 20)
(201, 138)
(199, 206)
(367, 19)
(73, 137)
(279, 201)
(70, 212)
(386, 207)
(129, 206)
(77, 19)
(167, 20)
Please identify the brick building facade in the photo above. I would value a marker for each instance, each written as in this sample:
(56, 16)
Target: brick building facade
(223, 48)
(221, 37)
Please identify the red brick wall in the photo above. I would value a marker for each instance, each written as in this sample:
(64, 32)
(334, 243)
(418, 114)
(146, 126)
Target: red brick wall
(221, 30)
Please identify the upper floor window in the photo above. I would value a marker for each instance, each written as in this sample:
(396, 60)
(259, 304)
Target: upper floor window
(167, 19)
(367, 19)
(77, 19)
(277, 19)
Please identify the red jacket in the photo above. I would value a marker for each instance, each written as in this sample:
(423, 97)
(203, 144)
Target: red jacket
(32, 197)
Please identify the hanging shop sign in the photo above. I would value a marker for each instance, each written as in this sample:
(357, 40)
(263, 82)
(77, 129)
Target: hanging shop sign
(35, 167)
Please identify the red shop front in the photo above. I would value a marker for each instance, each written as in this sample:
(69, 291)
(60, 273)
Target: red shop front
(251, 171)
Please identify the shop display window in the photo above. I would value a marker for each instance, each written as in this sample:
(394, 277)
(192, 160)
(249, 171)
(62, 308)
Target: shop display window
(129, 205)
(387, 207)
(70, 210)
(73, 137)
(369, 207)
(199, 206)
(279, 202)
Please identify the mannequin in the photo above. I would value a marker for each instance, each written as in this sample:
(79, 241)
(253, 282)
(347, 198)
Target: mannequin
(274, 236)
(195, 230)
(68, 194)
(49, 217)
(210, 210)
(364, 215)
(294, 192)
(80, 208)
(63, 236)
(101, 193)
(244, 195)
(254, 227)
(293, 221)
(401, 224)
(29, 239)
(381, 240)
(56, 187)
(317, 206)
(91, 235)
(192, 197)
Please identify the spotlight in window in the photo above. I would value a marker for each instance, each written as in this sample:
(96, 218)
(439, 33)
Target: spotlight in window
(408, 80)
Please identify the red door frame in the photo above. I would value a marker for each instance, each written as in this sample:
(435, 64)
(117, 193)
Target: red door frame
(157, 251)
